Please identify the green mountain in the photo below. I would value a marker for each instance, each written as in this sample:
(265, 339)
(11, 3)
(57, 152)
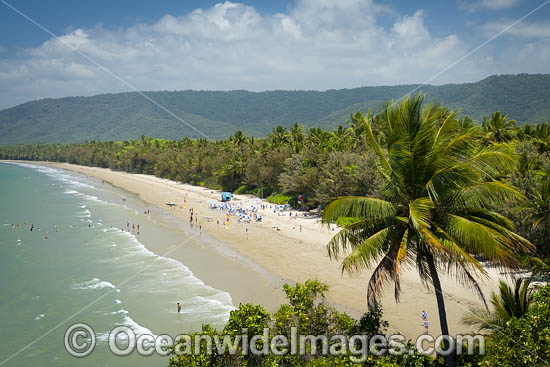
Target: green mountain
(218, 114)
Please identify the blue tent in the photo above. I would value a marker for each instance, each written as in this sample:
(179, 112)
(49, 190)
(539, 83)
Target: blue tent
(226, 196)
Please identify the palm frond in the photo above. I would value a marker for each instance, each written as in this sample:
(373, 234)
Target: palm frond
(492, 162)
(484, 195)
(479, 239)
(419, 213)
(383, 273)
(358, 206)
(371, 139)
(482, 319)
(364, 254)
(352, 236)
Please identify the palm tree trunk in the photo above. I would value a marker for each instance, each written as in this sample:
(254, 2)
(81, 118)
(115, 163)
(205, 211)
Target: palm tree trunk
(449, 359)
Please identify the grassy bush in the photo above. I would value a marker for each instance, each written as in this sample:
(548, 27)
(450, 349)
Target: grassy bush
(241, 190)
(279, 199)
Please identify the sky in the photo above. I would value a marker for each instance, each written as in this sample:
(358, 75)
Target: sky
(64, 48)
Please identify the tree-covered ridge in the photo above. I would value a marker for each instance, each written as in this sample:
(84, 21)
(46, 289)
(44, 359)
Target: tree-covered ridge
(125, 116)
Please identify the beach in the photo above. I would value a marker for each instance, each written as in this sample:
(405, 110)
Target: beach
(293, 249)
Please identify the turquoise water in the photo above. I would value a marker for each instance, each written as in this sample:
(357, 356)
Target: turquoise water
(91, 269)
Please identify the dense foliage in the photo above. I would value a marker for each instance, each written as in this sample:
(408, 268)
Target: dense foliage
(124, 116)
(304, 311)
(509, 302)
(522, 342)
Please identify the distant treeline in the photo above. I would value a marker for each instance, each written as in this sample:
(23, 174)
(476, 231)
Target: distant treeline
(313, 163)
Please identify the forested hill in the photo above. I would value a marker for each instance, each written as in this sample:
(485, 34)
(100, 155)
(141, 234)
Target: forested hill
(526, 98)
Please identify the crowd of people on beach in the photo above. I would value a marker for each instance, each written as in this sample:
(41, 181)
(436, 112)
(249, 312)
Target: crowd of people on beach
(246, 215)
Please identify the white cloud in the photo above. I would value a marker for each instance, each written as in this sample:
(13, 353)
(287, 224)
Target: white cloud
(317, 44)
(498, 4)
(525, 29)
(487, 4)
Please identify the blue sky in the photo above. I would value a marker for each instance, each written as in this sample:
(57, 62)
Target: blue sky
(261, 45)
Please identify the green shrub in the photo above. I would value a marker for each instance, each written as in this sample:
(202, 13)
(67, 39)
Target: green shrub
(241, 190)
(305, 310)
(279, 199)
(524, 341)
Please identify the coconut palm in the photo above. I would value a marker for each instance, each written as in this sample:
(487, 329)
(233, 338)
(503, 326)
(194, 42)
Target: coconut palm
(539, 205)
(356, 130)
(280, 135)
(435, 211)
(339, 139)
(498, 128)
(509, 302)
(238, 138)
(297, 132)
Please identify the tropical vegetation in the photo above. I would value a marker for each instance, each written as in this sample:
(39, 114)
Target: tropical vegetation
(509, 302)
(436, 206)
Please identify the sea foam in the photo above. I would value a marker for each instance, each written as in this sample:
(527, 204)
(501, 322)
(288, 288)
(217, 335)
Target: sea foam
(95, 283)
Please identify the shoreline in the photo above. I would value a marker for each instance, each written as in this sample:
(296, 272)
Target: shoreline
(292, 255)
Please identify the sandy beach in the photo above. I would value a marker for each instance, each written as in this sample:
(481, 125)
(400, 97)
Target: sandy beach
(296, 251)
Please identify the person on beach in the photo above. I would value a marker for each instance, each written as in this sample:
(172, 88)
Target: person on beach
(426, 325)
(179, 307)
(424, 315)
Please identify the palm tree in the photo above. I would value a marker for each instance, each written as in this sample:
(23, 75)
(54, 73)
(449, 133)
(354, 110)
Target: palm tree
(280, 135)
(298, 136)
(356, 129)
(509, 302)
(539, 205)
(339, 138)
(318, 137)
(435, 207)
(542, 138)
(498, 128)
(238, 138)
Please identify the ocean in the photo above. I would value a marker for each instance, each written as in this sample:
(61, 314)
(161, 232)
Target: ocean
(84, 262)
